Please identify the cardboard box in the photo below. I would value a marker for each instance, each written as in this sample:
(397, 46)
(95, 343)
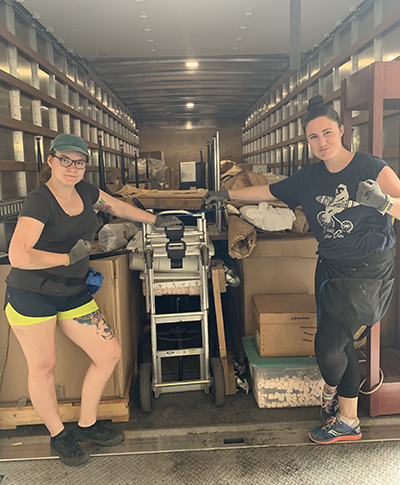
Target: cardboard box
(158, 154)
(284, 325)
(164, 199)
(279, 382)
(120, 300)
(261, 169)
(276, 266)
(175, 181)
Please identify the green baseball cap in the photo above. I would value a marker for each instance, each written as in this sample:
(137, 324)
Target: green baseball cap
(69, 143)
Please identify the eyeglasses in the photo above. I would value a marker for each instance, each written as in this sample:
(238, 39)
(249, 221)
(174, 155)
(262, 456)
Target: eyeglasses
(67, 162)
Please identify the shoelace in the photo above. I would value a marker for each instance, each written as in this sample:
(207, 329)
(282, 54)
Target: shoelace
(103, 430)
(69, 443)
(328, 405)
(331, 422)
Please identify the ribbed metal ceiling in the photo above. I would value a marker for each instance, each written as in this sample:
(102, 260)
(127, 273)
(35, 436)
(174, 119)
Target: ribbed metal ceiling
(139, 48)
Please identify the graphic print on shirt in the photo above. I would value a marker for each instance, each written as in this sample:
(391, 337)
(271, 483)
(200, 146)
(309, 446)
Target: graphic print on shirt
(332, 226)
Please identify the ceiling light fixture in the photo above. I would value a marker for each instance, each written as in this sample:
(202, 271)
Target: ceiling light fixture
(235, 47)
(243, 27)
(192, 64)
(239, 38)
(150, 40)
(249, 12)
(153, 50)
(189, 105)
(143, 15)
(49, 29)
(147, 29)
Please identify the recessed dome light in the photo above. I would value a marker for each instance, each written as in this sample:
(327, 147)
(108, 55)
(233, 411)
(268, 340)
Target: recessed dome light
(189, 105)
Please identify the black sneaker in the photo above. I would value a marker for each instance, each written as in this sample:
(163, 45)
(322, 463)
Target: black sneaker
(70, 452)
(99, 434)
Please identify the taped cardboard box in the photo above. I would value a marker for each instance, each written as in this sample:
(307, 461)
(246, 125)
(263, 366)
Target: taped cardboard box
(121, 302)
(284, 325)
(284, 265)
(164, 199)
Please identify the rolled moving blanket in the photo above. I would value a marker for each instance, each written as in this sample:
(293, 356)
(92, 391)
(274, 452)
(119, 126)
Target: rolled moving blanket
(242, 238)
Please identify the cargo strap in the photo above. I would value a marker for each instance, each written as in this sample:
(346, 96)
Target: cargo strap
(176, 248)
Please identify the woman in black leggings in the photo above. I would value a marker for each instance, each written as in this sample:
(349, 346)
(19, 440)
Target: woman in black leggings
(349, 200)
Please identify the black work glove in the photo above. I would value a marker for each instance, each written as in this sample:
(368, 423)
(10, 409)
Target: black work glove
(79, 251)
(166, 221)
(369, 193)
(218, 196)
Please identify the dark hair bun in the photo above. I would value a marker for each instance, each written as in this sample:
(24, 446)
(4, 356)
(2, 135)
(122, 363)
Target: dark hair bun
(314, 102)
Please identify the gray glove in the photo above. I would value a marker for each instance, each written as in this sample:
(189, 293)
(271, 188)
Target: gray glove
(369, 193)
(167, 221)
(218, 196)
(79, 251)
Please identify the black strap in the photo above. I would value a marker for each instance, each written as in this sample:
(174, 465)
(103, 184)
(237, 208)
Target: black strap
(59, 279)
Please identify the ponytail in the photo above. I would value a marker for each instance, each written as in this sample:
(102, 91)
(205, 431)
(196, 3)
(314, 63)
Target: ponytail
(45, 174)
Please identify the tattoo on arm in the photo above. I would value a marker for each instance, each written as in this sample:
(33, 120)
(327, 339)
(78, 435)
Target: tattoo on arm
(97, 319)
(104, 207)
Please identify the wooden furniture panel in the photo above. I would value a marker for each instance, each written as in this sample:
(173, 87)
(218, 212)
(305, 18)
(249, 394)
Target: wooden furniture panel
(375, 88)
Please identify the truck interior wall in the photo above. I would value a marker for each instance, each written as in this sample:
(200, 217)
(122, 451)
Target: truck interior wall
(184, 145)
(371, 34)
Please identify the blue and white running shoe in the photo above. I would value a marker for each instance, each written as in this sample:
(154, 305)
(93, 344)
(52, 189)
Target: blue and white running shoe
(335, 430)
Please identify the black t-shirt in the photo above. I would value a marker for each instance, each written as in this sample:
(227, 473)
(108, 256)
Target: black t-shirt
(343, 228)
(60, 233)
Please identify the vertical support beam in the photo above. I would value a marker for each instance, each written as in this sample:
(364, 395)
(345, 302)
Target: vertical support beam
(336, 52)
(345, 116)
(354, 39)
(15, 99)
(217, 180)
(378, 41)
(375, 124)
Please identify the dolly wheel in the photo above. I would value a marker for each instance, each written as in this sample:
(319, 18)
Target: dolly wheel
(217, 382)
(146, 393)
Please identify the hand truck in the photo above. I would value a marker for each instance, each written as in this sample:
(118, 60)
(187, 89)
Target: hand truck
(176, 243)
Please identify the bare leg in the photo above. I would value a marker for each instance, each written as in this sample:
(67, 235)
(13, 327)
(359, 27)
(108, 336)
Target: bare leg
(93, 334)
(38, 344)
(348, 407)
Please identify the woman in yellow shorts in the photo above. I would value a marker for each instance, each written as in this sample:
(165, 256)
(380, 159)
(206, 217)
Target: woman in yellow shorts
(49, 255)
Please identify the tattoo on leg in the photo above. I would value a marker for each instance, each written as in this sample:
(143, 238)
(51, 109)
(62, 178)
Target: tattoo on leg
(97, 319)
(104, 207)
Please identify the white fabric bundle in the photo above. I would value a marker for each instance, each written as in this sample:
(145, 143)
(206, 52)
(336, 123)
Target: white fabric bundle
(268, 218)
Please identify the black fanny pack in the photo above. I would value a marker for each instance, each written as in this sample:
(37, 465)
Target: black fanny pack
(93, 280)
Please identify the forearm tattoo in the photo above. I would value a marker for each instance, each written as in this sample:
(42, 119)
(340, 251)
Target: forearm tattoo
(104, 207)
(97, 319)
